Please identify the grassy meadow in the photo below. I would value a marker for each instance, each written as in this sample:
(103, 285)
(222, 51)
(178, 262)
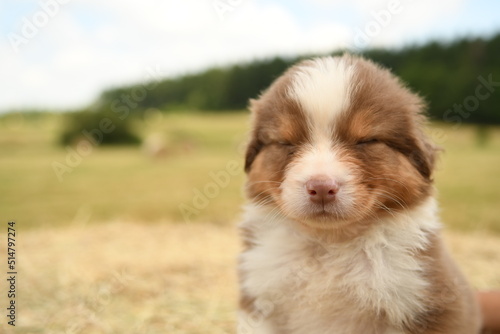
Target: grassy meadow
(116, 183)
(105, 247)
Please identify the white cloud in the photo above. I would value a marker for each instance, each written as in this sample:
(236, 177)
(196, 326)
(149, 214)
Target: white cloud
(175, 36)
(359, 4)
(417, 21)
(413, 21)
(72, 60)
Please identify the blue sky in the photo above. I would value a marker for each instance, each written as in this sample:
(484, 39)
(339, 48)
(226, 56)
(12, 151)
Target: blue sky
(63, 53)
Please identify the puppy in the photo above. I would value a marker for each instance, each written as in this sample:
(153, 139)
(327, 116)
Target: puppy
(342, 235)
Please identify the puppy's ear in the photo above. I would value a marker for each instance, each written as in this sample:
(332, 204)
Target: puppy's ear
(424, 152)
(424, 155)
(253, 149)
(254, 146)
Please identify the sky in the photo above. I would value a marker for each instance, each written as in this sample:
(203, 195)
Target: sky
(61, 54)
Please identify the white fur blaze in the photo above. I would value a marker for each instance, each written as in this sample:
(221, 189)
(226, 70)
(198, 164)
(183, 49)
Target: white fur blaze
(322, 88)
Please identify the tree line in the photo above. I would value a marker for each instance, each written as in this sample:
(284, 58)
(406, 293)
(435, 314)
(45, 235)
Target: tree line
(460, 80)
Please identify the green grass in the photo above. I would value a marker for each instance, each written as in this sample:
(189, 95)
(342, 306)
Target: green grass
(114, 183)
(468, 179)
(120, 182)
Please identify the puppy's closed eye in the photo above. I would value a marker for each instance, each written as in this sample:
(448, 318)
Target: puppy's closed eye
(286, 145)
(367, 141)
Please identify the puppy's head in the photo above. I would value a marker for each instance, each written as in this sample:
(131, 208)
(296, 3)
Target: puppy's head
(338, 140)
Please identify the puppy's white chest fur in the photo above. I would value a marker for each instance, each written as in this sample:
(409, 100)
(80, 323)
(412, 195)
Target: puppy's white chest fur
(366, 285)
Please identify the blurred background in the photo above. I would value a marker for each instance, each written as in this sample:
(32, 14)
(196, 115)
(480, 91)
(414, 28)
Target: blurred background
(122, 132)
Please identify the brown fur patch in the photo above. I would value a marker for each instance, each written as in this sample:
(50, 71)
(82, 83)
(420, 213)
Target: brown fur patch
(278, 127)
(449, 298)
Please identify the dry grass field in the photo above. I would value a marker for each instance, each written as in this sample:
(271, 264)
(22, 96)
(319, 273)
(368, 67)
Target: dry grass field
(127, 278)
(107, 250)
(124, 278)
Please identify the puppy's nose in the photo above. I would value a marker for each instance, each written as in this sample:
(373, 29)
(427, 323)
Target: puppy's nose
(322, 189)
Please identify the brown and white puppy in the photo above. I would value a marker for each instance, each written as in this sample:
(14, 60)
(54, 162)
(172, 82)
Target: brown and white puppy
(342, 234)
